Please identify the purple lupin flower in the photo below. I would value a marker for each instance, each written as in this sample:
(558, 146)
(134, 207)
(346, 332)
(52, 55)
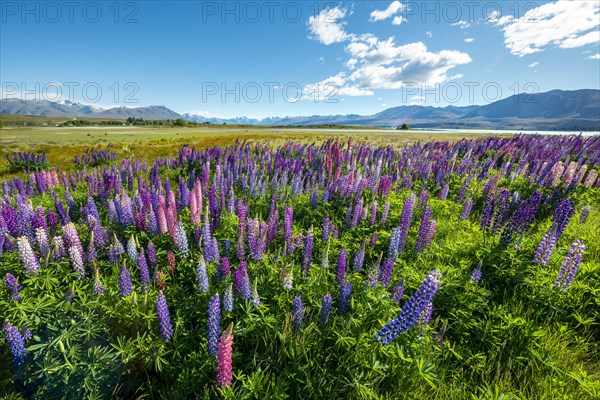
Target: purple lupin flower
(569, 268)
(345, 292)
(373, 240)
(241, 281)
(340, 271)
(225, 268)
(444, 191)
(152, 258)
(164, 319)
(488, 213)
(386, 271)
(398, 291)
(288, 234)
(16, 343)
(298, 312)
(545, 249)
(202, 275)
(13, 286)
(144, 273)
(359, 257)
(423, 229)
(307, 256)
(228, 299)
(28, 257)
(214, 324)
(562, 215)
(476, 274)
(405, 221)
(411, 310)
(466, 211)
(585, 213)
(58, 248)
(326, 309)
(124, 282)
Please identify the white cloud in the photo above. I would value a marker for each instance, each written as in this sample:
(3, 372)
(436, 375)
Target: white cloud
(533, 64)
(393, 8)
(564, 24)
(398, 19)
(428, 34)
(330, 88)
(328, 26)
(595, 57)
(462, 24)
(381, 64)
(469, 40)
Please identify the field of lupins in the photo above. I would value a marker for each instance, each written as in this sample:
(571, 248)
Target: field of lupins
(340, 270)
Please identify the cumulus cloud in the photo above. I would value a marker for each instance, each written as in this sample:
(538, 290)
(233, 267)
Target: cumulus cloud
(398, 19)
(374, 63)
(393, 9)
(595, 57)
(469, 40)
(328, 26)
(564, 24)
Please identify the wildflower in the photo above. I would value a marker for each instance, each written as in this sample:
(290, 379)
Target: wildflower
(255, 296)
(164, 320)
(144, 273)
(202, 275)
(77, 262)
(359, 257)
(181, 242)
(545, 248)
(98, 286)
(386, 271)
(585, 213)
(466, 211)
(214, 324)
(326, 309)
(476, 274)
(298, 312)
(411, 310)
(241, 281)
(13, 286)
(132, 251)
(398, 291)
(340, 272)
(288, 280)
(345, 292)
(568, 270)
(30, 261)
(224, 375)
(124, 282)
(16, 342)
(228, 299)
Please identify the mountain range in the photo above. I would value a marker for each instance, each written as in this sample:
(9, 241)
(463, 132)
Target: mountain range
(553, 110)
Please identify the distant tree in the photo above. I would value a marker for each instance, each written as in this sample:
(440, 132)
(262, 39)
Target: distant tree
(180, 122)
(403, 127)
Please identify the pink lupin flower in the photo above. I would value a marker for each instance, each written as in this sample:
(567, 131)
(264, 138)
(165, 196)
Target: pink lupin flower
(162, 219)
(224, 358)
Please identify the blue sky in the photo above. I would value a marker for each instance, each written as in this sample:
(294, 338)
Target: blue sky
(295, 57)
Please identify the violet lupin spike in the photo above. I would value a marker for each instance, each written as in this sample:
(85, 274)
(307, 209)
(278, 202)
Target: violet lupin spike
(164, 319)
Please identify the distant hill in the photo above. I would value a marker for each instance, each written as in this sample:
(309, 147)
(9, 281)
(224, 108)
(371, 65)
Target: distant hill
(46, 108)
(553, 110)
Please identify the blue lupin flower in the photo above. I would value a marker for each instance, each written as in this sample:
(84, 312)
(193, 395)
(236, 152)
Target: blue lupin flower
(345, 292)
(412, 310)
(16, 342)
(202, 275)
(326, 309)
(298, 312)
(214, 324)
(164, 319)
